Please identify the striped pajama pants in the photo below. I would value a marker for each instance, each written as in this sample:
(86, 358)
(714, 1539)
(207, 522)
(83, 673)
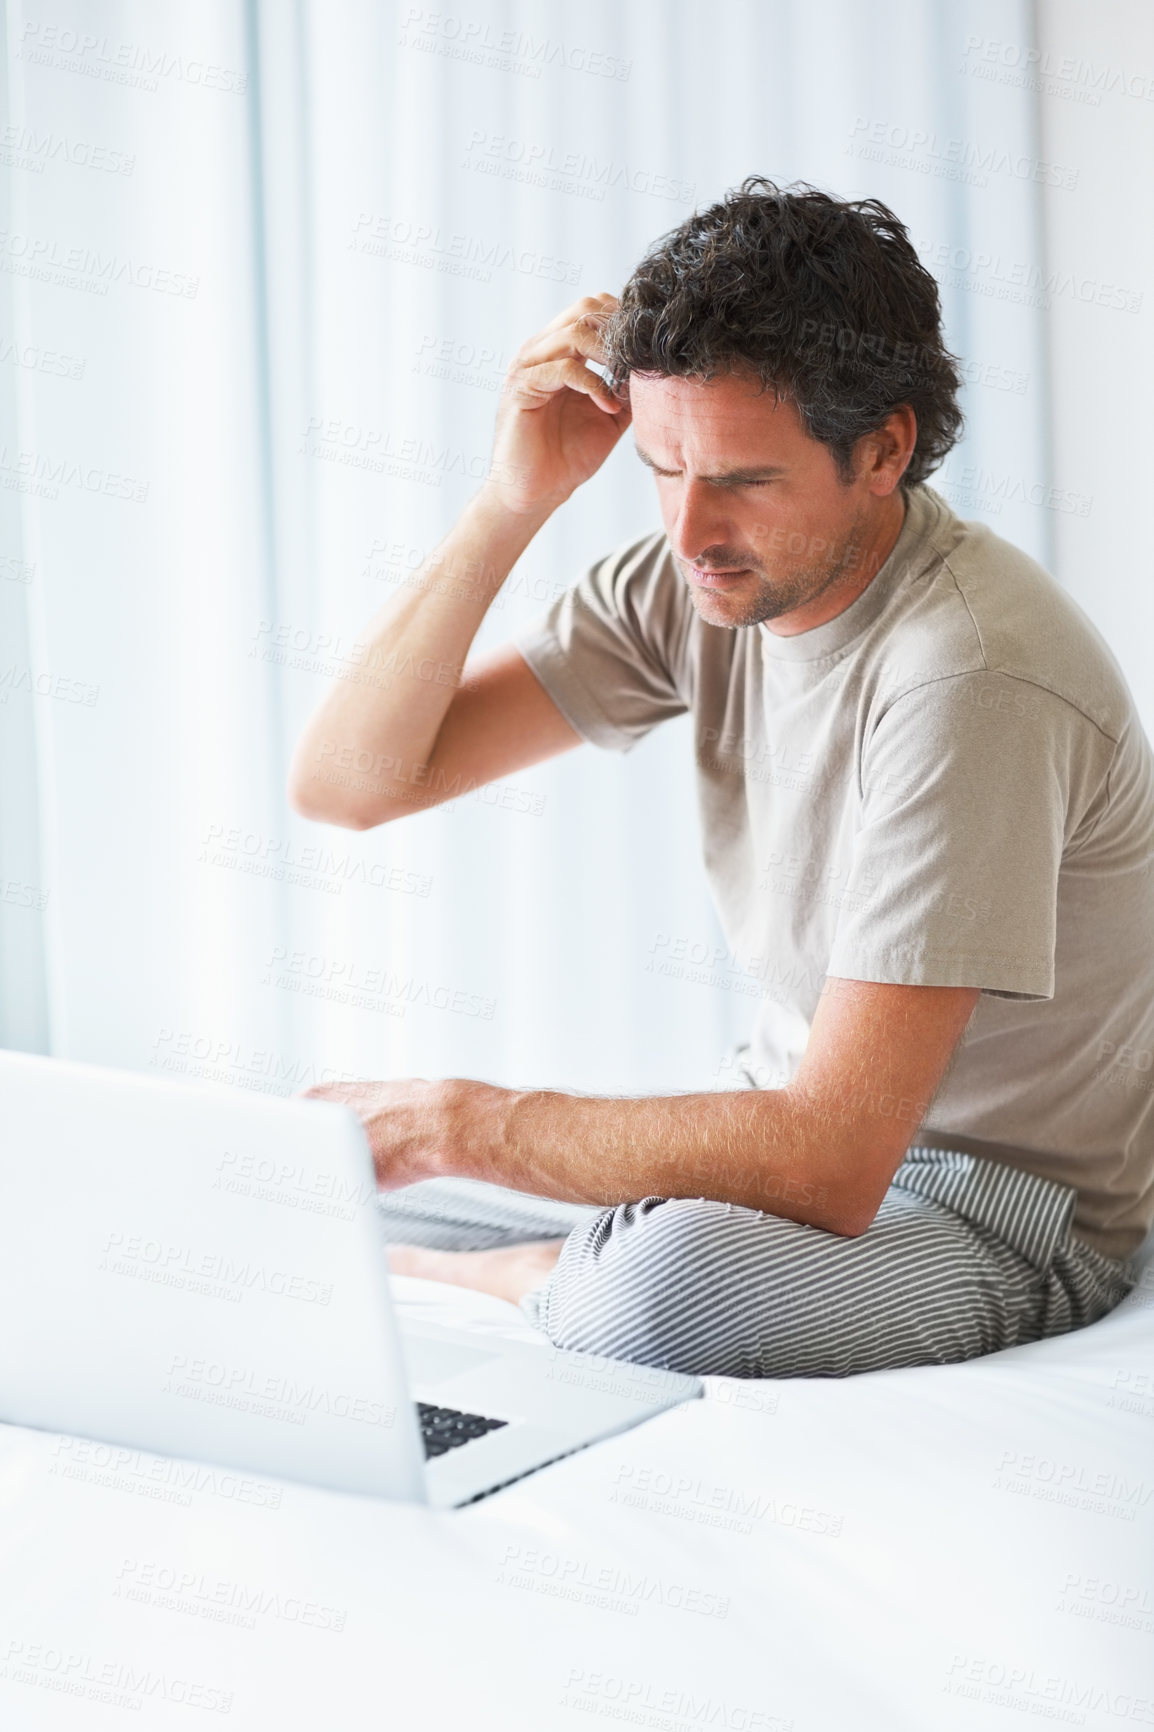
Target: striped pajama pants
(965, 1256)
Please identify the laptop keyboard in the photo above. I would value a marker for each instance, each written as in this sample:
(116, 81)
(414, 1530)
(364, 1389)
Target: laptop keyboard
(445, 1428)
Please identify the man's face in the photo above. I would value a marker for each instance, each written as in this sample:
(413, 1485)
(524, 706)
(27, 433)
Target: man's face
(759, 520)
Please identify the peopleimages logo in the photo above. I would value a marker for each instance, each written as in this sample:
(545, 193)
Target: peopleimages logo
(136, 64)
(428, 246)
(211, 1273)
(36, 472)
(1067, 75)
(270, 1396)
(735, 1508)
(38, 360)
(1023, 284)
(1048, 1694)
(1106, 1602)
(928, 152)
(1097, 1491)
(50, 260)
(312, 867)
(220, 1598)
(190, 1052)
(605, 1586)
(476, 41)
(159, 1478)
(21, 147)
(116, 1683)
(538, 163)
(642, 1702)
(38, 683)
(245, 1174)
(322, 976)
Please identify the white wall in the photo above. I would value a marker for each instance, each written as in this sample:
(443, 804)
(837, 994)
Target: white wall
(1097, 114)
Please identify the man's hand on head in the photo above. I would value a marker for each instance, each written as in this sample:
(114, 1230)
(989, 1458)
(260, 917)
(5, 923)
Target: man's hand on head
(392, 743)
(558, 419)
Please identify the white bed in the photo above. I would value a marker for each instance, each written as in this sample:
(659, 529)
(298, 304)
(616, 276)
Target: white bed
(951, 1548)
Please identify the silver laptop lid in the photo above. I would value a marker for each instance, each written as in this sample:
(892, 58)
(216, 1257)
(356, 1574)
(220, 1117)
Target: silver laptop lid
(198, 1272)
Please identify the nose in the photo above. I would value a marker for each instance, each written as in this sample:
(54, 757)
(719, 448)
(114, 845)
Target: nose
(701, 521)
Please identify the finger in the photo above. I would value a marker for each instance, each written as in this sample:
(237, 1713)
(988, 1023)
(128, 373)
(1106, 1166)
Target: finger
(582, 338)
(352, 1094)
(624, 413)
(536, 385)
(597, 304)
(582, 327)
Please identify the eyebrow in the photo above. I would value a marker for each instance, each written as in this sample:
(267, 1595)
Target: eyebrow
(764, 473)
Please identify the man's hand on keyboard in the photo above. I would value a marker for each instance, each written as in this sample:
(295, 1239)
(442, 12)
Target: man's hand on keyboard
(416, 1129)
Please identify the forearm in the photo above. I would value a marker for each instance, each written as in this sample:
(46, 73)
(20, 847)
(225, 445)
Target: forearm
(390, 708)
(822, 1151)
(773, 1150)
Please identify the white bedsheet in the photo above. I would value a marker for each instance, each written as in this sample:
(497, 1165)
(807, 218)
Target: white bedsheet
(935, 1549)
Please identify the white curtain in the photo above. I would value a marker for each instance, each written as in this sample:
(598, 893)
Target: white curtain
(263, 268)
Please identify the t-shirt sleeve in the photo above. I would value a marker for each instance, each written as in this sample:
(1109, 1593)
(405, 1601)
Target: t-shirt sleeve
(612, 651)
(970, 788)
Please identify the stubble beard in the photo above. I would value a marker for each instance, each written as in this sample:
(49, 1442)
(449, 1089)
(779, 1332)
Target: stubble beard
(771, 599)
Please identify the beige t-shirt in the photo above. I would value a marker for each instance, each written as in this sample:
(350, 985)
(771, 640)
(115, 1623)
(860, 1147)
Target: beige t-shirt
(946, 785)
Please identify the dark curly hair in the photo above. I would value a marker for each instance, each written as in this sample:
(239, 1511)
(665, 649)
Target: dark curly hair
(825, 299)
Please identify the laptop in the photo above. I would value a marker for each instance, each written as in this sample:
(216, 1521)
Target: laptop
(198, 1272)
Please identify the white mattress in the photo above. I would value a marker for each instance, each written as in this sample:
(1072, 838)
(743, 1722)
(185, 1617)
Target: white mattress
(962, 1547)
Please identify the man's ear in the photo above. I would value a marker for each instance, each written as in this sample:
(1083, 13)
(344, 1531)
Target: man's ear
(887, 451)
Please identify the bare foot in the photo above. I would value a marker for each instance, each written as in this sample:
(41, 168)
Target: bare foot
(509, 1272)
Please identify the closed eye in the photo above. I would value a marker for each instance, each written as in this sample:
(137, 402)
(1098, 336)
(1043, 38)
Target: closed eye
(735, 478)
(717, 480)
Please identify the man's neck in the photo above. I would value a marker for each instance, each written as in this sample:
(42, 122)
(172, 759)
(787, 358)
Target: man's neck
(866, 556)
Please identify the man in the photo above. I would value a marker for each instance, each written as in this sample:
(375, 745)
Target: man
(928, 812)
